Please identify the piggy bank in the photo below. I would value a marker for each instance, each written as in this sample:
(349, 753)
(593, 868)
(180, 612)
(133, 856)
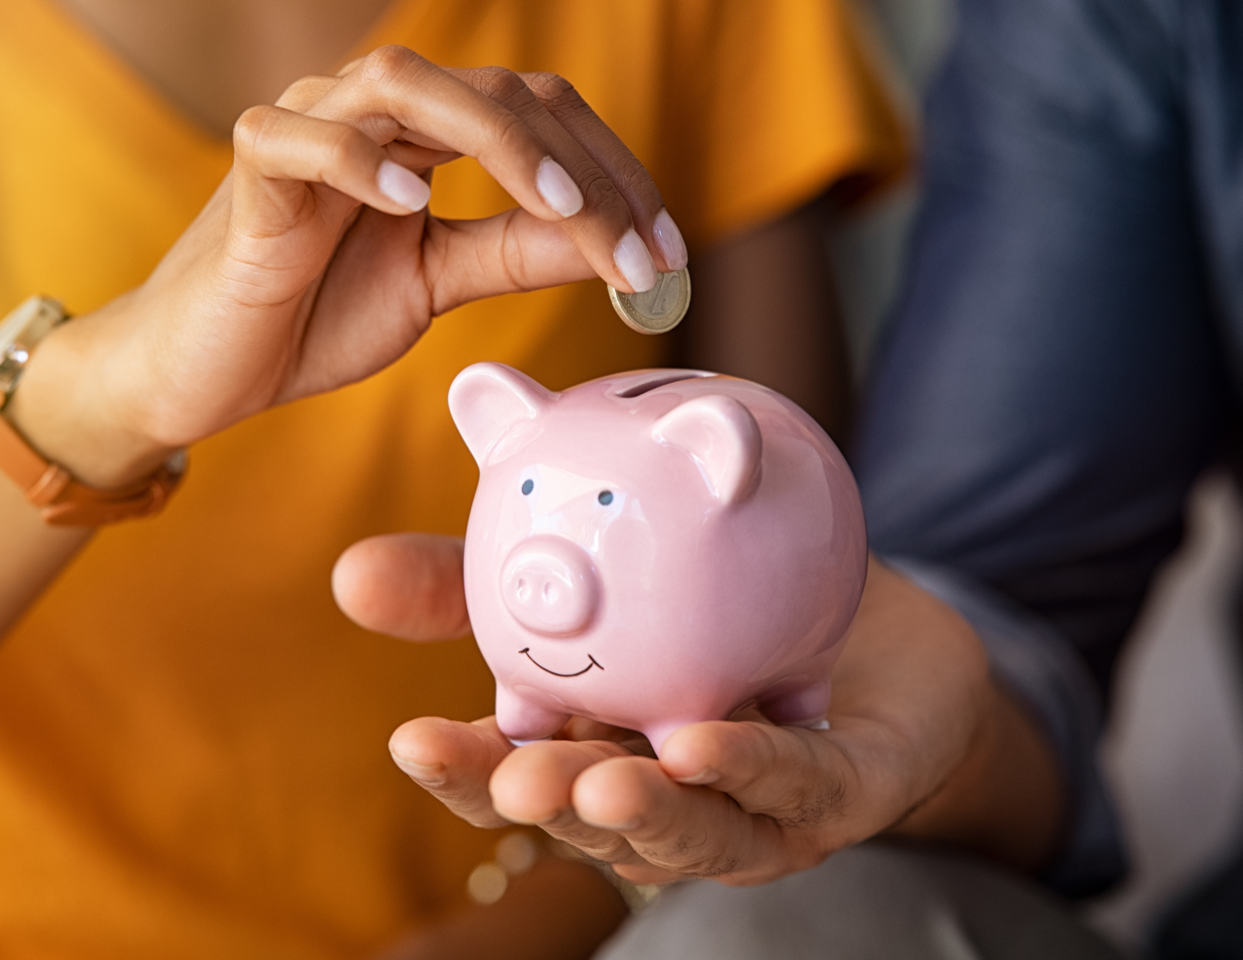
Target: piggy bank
(654, 549)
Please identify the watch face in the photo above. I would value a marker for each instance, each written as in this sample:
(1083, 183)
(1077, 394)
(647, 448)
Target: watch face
(20, 333)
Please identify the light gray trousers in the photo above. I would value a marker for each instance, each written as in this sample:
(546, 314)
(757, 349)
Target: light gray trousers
(878, 901)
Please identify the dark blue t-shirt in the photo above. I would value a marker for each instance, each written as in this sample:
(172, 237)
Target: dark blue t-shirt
(1062, 361)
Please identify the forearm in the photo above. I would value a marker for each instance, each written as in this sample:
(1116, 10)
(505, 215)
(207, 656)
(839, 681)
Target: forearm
(1005, 799)
(986, 775)
(64, 409)
(33, 553)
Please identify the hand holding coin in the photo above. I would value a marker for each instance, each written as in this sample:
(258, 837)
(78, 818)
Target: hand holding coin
(658, 310)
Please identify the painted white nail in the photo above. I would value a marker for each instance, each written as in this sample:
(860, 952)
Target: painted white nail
(634, 262)
(403, 187)
(669, 240)
(557, 188)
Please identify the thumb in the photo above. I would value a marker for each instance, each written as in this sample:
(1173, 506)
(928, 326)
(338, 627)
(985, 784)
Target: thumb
(408, 585)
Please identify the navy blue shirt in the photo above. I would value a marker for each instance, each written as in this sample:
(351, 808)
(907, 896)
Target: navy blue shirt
(1063, 359)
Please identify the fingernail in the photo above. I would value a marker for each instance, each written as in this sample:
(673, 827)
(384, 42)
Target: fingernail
(557, 188)
(428, 776)
(704, 777)
(634, 262)
(669, 240)
(403, 187)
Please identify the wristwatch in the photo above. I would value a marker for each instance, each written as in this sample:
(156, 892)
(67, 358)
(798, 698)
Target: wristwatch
(20, 333)
(62, 500)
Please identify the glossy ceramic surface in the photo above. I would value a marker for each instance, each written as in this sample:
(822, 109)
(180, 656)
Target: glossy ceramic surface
(654, 549)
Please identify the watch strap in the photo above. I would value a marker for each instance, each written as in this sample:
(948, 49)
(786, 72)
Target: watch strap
(64, 502)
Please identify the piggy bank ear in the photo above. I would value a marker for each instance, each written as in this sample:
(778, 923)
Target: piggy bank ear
(486, 399)
(722, 437)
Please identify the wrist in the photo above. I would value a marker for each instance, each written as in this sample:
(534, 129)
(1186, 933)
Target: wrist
(72, 407)
(1004, 799)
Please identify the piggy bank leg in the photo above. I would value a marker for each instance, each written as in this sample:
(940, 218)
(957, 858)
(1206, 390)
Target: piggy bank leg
(659, 733)
(522, 721)
(797, 703)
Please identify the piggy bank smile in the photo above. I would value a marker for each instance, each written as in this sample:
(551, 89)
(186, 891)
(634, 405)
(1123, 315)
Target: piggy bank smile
(526, 651)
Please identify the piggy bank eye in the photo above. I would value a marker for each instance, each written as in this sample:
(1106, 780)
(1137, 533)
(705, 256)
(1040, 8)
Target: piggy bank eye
(527, 487)
(605, 498)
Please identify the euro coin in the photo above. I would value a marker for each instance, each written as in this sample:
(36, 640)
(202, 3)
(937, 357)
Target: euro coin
(658, 310)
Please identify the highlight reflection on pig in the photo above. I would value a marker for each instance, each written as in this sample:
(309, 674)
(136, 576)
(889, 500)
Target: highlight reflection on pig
(654, 549)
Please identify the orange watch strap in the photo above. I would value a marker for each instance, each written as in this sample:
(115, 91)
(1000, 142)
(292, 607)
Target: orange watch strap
(64, 502)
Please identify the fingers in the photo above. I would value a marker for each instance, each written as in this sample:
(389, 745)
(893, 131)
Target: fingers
(394, 92)
(739, 801)
(535, 135)
(615, 807)
(303, 94)
(453, 761)
(689, 831)
(535, 784)
(493, 116)
(799, 778)
(582, 728)
(509, 253)
(629, 177)
(407, 585)
(837, 787)
(276, 150)
(610, 216)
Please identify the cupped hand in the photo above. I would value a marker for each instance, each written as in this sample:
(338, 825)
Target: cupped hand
(743, 801)
(316, 263)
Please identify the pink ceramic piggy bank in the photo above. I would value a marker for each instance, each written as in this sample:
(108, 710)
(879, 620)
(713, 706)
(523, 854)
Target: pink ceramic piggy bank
(654, 549)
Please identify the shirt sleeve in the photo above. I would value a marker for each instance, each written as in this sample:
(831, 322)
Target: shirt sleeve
(1051, 383)
(776, 103)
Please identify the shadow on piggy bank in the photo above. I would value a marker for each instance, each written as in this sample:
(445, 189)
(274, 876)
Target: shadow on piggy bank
(654, 549)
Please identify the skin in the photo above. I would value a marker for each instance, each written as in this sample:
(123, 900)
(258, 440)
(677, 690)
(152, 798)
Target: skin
(215, 58)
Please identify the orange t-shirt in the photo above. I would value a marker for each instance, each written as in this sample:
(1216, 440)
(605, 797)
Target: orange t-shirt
(193, 739)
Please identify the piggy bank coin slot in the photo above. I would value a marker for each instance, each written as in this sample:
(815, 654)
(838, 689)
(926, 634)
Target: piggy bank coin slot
(649, 384)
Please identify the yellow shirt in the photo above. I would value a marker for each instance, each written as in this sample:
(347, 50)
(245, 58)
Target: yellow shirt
(193, 739)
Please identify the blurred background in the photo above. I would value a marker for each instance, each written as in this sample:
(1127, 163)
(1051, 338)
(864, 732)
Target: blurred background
(1174, 747)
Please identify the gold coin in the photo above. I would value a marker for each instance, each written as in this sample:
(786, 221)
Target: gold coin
(658, 310)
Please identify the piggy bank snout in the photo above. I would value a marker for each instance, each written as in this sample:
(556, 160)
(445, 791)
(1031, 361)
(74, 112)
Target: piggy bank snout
(550, 586)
